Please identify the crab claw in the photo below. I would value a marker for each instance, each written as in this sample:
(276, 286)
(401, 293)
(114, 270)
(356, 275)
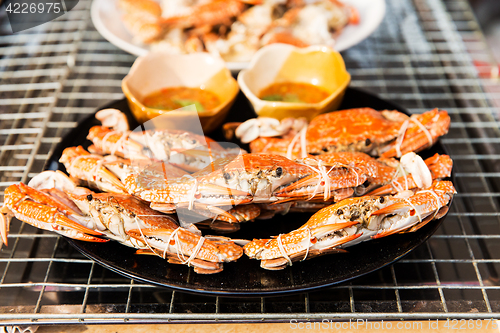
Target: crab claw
(282, 262)
(226, 191)
(422, 132)
(287, 245)
(109, 177)
(266, 127)
(439, 166)
(52, 179)
(87, 167)
(113, 118)
(65, 222)
(416, 166)
(40, 210)
(317, 184)
(185, 244)
(418, 210)
(200, 266)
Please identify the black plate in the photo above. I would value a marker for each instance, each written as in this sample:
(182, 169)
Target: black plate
(245, 277)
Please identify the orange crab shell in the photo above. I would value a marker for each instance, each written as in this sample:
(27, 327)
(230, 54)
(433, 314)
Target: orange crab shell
(364, 130)
(353, 130)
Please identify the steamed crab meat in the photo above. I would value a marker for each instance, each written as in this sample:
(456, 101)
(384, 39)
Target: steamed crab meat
(142, 19)
(234, 29)
(313, 23)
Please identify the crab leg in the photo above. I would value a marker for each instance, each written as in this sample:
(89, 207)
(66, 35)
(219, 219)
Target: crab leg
(39, 210)
(213, 212)
(82, 165)
(48, 199)
(242, 213)
(183, 247)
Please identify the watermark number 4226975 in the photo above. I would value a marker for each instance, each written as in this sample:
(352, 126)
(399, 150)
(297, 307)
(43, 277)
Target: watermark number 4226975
(26, 7)
(26, 14)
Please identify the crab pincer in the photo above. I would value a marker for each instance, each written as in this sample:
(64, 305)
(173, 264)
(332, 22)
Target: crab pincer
(90, 169)
(300, 244)
(411, 214)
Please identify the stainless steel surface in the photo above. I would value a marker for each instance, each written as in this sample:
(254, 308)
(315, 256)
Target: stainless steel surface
(426, 54)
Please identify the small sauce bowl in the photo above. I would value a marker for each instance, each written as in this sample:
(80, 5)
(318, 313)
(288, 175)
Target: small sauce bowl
(320, 66)
(158, 70)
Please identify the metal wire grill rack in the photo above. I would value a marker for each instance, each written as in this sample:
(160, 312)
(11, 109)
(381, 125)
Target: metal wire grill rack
(426, 54)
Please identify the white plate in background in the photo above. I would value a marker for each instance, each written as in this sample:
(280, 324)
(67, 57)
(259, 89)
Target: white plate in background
(107, 20)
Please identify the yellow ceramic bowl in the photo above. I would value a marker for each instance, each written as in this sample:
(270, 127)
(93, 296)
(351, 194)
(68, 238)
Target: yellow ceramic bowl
(158, 70)
(317, 65)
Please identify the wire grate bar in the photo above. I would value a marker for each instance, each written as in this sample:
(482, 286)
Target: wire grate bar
(59, 73)
(128, 286)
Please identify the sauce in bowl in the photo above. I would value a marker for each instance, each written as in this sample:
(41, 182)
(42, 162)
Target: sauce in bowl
(177, 97)
(293, 92)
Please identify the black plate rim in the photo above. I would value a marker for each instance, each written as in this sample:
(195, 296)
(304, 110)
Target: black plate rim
(427, 230)
(238, 293)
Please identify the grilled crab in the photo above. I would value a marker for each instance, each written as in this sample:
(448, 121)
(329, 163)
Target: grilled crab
(385, 133)
(131, 222)
(246, 178)
(113, 174)
(184, 149)
(344, 174)
(47, 211)
(97, 217)
(352, 221)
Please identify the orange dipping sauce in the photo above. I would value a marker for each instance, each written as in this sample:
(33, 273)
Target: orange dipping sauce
(293, 92)
(177, 97)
